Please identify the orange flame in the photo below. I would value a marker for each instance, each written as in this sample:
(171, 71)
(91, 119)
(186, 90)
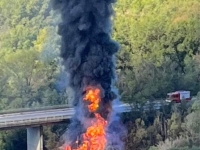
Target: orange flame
(93, 96)
(94, 137)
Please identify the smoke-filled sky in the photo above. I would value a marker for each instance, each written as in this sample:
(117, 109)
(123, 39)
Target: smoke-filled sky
(88, 52)
(87, 49)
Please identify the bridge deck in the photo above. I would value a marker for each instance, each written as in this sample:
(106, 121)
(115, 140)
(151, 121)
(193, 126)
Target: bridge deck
(32, 118)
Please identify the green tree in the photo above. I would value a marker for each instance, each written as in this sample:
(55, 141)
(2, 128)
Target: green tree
(163, 34)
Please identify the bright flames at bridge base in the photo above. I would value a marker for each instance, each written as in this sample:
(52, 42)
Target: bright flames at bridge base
(95, 137)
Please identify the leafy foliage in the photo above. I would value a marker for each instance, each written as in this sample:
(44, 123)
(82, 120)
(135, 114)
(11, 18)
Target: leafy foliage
(159, 40)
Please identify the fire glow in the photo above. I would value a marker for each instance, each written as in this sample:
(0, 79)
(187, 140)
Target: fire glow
(88, 52)
(93, 96)
(95, 136)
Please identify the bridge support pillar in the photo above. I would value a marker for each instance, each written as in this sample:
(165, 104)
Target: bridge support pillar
(35, 138)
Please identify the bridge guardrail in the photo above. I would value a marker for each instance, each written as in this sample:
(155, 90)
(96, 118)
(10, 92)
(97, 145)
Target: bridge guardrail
(34, 109)
(25, 122)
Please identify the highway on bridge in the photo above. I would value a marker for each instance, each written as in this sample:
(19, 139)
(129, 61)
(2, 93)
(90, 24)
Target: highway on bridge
(42, 117)
(34, 120)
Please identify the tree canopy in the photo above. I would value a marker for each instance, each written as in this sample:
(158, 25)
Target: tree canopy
(159, 53)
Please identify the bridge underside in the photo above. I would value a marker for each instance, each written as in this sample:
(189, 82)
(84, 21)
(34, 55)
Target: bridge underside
(27, 125)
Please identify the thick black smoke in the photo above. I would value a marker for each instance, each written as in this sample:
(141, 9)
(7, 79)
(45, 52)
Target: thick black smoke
(87, 49)
(88, 52)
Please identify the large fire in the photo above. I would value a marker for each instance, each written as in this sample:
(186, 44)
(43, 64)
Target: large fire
(95, 137)
(88, 52)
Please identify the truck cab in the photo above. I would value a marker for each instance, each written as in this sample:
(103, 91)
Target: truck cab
(178, 96)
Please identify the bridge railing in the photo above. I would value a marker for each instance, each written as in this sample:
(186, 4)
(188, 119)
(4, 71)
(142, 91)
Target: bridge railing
(16, 110)
(5, 124)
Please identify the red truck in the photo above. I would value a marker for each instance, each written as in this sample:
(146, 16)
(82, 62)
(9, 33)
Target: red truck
(178, 96)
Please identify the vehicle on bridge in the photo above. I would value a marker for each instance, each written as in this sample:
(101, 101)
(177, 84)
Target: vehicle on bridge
(178, 96)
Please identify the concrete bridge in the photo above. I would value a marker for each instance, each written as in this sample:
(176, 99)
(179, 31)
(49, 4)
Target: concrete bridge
(35, 120)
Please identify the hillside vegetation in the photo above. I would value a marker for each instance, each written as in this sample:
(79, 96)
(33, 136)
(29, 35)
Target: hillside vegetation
(160, 53)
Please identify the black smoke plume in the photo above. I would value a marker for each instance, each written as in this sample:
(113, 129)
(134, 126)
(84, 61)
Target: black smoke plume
(88, 52)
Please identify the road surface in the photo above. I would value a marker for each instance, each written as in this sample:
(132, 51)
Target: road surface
(25, 119)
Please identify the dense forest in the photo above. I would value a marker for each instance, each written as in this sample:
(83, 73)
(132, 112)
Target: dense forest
(160, 53)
